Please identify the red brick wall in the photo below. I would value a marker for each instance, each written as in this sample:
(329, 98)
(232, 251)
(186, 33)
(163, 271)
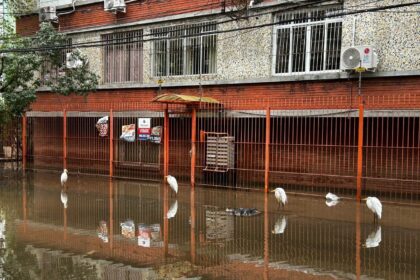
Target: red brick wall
(27, 25)
(94, 14)
(381, 93)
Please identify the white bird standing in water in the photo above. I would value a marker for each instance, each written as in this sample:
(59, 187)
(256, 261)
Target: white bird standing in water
(64, 198)
(172, 183)
(374, 238)
(375, 206)
(64, 177)
(331, 196)
(281, 196)
(172, 210)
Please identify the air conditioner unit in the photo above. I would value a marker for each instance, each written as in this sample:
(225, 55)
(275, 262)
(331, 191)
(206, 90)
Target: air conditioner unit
(47, 14)
(73, 62)
(358, 56)
(115, 6)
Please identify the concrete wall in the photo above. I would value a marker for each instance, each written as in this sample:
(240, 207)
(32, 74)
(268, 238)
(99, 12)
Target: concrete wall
(394, 33)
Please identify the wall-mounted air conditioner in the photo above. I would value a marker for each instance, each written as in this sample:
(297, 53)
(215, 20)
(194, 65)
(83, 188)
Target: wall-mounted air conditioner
(115, 6)
(47, 14)
(358, 56)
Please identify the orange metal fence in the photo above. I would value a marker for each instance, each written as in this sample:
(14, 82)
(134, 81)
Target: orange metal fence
(344, 144)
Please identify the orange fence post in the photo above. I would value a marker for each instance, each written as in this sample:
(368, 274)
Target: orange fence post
(165, 220)
(192, 233)
(266, 237)
(193, 140)
(24, 147)
(111, 144)
(24, 206)
(111, 215)
(166, 143)
(64, 139)
(358, 261)
(360, 151)
(267, 149)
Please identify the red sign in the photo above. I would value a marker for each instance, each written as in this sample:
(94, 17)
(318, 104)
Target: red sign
(144, 131)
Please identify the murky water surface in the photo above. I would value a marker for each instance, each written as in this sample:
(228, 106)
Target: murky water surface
(97, 229)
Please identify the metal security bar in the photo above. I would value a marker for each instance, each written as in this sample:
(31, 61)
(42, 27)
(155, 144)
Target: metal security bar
(123, 57)
(173, 55)
(306, 41)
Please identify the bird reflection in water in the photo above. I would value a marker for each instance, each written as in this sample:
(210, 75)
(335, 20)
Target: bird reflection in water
(280, 225)
(374, 238)
(172, 210)
(64, 197)
(331, 203)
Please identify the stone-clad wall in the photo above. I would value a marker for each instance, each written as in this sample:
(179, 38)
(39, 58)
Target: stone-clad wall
(247, 55)
(394, 33)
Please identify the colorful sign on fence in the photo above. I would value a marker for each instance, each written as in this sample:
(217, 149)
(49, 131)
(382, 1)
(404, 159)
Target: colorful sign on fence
(143, 129)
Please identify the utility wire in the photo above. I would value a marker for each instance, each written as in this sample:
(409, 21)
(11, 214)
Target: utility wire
(104, 43)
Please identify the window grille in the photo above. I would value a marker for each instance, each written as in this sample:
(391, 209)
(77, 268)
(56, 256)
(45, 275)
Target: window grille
(123, 57)
(184, 50)
(307, 41)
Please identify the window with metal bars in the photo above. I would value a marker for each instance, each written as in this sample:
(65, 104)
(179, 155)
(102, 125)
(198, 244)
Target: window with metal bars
(184, 50)
(123, 57)
(307, 41)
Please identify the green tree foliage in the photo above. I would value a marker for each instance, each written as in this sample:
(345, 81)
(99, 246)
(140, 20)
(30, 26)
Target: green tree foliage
(21, 70)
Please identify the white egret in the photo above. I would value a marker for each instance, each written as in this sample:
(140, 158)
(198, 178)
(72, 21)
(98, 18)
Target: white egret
(172, 183)
(331, 196)
(331, 203)
(375, 206)
(64, 177)
(280, 225)
(172, 210)
(64, 198)
(281, 196)
(374, 238)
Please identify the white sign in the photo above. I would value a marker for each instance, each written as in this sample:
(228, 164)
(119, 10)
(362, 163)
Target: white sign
(143, 129)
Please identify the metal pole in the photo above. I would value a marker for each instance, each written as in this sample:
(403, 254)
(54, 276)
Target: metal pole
(360, 142)
(266, 238)
(64, 139)
(24, 146)
(358, 260)
(192, 233)
(193, 140)
(111, 144)
(267, 149)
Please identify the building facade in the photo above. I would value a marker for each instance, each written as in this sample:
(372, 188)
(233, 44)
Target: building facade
(273, 64)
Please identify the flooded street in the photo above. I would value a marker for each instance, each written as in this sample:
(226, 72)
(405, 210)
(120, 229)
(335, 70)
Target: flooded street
(100, 229)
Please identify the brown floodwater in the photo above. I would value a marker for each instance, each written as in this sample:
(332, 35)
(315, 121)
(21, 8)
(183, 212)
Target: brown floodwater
(95, 228)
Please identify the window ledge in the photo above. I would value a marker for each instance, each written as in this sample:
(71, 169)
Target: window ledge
(274, 79)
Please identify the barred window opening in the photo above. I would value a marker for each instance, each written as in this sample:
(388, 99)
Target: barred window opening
(123, 57)
(184, 50)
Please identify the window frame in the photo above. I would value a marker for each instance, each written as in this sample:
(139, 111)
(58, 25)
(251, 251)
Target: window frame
(166, 40)
(133, 43)
(308, 40)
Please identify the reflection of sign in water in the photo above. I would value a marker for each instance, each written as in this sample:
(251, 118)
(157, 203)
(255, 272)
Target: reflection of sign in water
(156, 135)
(219, 226)
(149, 235)
(143, 129)
(128, 229)
(103, 231)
